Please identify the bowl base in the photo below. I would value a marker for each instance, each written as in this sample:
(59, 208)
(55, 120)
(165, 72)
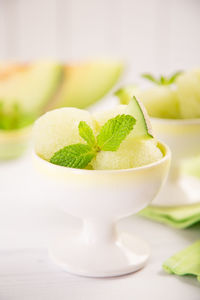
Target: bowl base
(125, 255)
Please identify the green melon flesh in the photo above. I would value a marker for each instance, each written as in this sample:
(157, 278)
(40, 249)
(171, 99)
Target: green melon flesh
(126, 93)
(42, 86)
(142, 128)
(30, 86)
(132, 153)
(139, 148)
(59, 128)
(85, 83)
(188, 89)
(159, 101)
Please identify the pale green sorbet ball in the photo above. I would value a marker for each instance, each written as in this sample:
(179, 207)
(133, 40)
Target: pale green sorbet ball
(59, 128)
(131, 154)
(188, 89)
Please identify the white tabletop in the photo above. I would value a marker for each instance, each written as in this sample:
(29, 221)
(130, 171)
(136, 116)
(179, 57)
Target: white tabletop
(27, 223)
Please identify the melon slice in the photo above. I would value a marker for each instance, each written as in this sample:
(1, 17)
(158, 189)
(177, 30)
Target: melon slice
(85, 83)
(30, 86)
(33, 85)
(42, 86)
(142, 127)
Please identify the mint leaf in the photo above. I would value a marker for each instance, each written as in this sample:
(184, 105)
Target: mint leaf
(73, 156)
(110, 137)
(85, 131)
(114, 131)
(174, 76)
(162, 80)
(149, 77)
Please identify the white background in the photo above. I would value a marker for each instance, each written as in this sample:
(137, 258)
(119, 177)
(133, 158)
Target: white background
(150, 35)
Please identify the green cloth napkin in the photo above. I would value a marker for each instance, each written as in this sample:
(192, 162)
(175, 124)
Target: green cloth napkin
(185, 262)
(178, 217)
(192, 166)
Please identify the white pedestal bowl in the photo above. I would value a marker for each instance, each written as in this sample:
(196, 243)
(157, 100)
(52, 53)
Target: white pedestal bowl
(100, 199)
(183, 138)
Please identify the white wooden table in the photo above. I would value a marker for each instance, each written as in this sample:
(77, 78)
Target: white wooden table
(27, 223)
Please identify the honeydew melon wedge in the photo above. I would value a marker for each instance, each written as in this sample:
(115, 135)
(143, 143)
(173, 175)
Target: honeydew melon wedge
(33, 85)
(25, 89)
(29, 85)
(137, 110)
(85, 83)
(41, 86)
(142, 128)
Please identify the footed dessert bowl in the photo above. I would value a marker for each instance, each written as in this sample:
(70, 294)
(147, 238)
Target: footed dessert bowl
(183, 138)
(100, 198)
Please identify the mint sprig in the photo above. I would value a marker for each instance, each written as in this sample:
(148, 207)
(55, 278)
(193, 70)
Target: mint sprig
(113, 132)
(85, 131)
(74, 156)
(162, 80)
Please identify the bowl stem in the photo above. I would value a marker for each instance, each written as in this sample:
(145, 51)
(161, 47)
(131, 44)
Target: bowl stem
(98, 231)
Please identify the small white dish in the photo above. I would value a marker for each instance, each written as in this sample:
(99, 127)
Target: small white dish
(100, 199)
(183, 138)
